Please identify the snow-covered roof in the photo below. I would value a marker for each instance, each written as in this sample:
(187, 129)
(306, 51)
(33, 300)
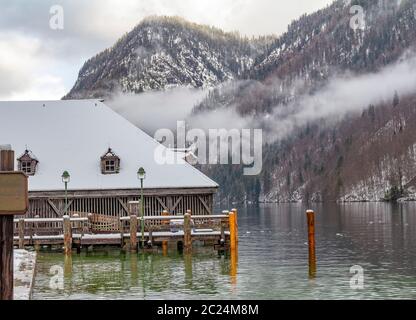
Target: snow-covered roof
(72, 135)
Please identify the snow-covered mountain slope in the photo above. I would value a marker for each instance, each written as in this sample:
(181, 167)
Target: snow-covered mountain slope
(167, 52)
(324, 159)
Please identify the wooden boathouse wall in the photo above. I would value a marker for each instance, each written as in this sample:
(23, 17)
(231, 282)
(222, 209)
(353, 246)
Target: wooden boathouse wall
(114, 203)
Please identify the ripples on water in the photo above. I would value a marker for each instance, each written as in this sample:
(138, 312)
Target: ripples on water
(272, 260)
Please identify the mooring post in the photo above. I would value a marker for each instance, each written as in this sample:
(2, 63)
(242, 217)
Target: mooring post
(133, 233)
(233, 229)
(67, 235)
(164, 247)
(21, 233)
(121, 229)
(236, 224)
(165, 242)
(233, 266)
(233, 247)
(310, 214)
(165, 213)
(187, 230)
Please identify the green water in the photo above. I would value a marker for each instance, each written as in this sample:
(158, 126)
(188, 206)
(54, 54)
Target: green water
(272, 260)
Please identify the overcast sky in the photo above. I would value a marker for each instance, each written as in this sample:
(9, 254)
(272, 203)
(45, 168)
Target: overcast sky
(37, 62)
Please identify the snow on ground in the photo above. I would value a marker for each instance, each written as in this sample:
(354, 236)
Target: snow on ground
(24, 273)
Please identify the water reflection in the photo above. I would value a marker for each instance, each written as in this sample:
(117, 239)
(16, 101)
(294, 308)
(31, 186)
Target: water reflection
(272, 261)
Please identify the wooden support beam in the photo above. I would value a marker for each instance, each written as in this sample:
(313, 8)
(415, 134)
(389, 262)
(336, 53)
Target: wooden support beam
(187, 230)
(67, 235)
(6, 257)
(205, 205)
(165, 248)
(6, 237)
(124, 206)
(21, 233)
(121, 233)
(165, 214)
(133, 233)
(232, 221)
(165, 242)
(236, 224)
(162, 204)
(176, 204)
(54, 208)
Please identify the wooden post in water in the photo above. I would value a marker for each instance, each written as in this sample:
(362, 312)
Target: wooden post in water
(310, 214)
(6, 237)
(233, 267)
(187, 232)
(21, 233)
(67, 235)
(134, 213)
(165, 248)
(233, 230)
(121, 229)
(236, 224)
(165, 213)
(165, 242)
(133, 233)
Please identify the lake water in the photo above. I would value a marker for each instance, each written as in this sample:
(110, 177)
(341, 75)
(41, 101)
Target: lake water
(272, 260)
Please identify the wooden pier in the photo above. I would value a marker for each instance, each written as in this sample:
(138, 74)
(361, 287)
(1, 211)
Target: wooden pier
(74, 232)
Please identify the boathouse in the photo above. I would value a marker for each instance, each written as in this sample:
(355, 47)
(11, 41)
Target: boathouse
(102, 153)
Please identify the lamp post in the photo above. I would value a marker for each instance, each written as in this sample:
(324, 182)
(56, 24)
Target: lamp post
(66, 178)
(141, 175)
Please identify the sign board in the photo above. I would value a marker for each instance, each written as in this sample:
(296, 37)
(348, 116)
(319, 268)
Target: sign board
(14, 198)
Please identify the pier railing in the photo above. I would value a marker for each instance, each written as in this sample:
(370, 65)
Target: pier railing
(77, 231)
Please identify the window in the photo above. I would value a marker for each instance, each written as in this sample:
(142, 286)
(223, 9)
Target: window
(27, 163)
(26, 167)
(110, 166)
(110, 163)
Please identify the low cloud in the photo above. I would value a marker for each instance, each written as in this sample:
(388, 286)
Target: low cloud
(151, 111)
(345, 94)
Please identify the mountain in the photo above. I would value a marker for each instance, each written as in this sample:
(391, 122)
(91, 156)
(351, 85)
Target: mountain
(365, 155)
(167, 52)
(350, 151)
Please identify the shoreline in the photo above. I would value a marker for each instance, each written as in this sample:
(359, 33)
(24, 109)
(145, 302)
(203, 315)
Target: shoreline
(24, 265)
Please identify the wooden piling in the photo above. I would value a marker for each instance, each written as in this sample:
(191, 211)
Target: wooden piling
(6, 237)
(233, 266)
(121, 229)
(166, 223)
(67, 235)
(165, 213)
(233, 230)
(236, 224)
(310, 214)
(133, 233)
(165, 248)
(21, 233)
(187, 230)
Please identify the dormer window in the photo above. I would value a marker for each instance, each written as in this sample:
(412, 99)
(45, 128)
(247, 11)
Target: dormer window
(110, 163)
(28, 163)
